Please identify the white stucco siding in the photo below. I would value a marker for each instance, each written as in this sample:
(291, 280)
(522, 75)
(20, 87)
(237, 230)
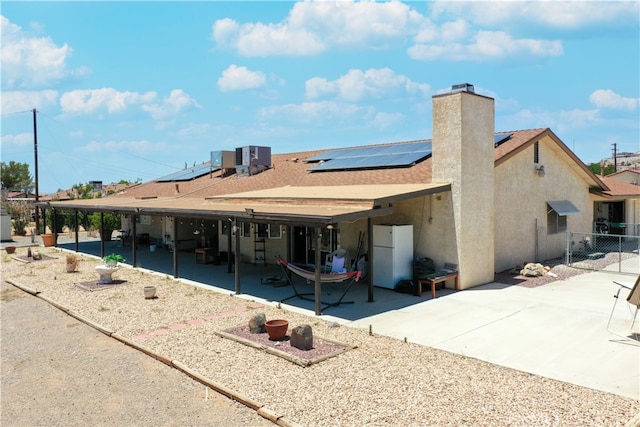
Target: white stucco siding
(433, 226)
(521, 205)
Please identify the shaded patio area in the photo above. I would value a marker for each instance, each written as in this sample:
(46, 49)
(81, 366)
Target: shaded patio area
(254, 280)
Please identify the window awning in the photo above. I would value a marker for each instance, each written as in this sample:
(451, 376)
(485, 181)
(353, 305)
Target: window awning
(564, 207)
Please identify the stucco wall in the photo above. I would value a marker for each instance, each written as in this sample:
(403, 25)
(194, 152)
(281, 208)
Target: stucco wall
(521, 208)
(463, 133)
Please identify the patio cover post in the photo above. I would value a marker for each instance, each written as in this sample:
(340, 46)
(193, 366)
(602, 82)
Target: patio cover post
(134, 244)
(237, 258)
(75, 223)
(318, 284)
(229, 234)
(370, 256)
(175, 248)
(102, 255)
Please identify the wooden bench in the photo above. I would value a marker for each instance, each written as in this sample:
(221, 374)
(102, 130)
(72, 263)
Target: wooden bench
(438, 277)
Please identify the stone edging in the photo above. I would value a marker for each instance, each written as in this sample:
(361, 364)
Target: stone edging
(260, 409)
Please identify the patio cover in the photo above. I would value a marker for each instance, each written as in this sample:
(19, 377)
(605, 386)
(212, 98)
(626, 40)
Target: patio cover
(321, 205)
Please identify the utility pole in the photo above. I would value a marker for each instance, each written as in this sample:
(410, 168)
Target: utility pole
(615, 158)
(35, 150)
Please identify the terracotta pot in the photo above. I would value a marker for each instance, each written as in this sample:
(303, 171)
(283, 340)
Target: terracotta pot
(10, 249)
(71, 267)
(277, 329)
(149, 292)
(48, 239)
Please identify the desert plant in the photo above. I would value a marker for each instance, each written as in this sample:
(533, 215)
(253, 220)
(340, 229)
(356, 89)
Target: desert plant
(113, 259)
(72, 262)
(20, 211)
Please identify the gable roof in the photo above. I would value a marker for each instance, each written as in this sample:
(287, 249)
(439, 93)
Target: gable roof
(617, 188)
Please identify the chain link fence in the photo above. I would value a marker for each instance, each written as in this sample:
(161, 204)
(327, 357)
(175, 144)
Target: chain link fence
(607, 252)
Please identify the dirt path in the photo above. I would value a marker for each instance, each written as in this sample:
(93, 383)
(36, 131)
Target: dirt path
(58, 371)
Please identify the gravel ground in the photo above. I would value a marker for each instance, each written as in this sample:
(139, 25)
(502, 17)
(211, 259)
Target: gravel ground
(58, 371)
(382, 382)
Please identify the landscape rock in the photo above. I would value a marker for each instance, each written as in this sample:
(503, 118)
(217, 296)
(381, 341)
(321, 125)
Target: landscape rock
(256, 324)
(534, 270)
(302, 337)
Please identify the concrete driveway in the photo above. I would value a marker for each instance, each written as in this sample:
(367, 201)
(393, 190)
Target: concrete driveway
(556, 330)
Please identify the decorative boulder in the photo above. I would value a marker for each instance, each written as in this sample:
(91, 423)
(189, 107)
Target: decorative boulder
(302, 337)
(534, 270)
(256, 324)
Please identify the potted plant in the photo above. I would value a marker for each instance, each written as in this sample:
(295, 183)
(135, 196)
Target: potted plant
(112, 260)
(72, 262)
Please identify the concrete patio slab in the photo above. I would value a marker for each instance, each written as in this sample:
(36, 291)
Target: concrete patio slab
(557, 330)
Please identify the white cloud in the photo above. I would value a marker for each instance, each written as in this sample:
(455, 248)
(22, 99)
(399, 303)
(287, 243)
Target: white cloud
(555, 14)
(606, 98)
(486, 44)
(19, 140)
(240, 78)
(32, 61)
(174, 104)
(106, 99)
(370, 84)
(561, 121)
(25, 100)
(315, 113)
(313, 27)
(136, 147)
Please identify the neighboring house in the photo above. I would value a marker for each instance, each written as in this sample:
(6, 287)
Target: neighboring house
(483, 200)
(99, 190)
(618, 208)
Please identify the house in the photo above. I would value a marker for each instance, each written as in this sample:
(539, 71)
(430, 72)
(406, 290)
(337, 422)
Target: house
(478, 198)
(617, 210)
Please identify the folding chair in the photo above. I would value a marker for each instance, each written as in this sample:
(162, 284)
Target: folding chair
(634, 299)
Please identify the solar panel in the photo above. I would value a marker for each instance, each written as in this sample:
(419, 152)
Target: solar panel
(380, 156)
(372, 157)
(499, 138)
(188, 174)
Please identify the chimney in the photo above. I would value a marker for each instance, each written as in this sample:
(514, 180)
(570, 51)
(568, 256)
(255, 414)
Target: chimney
(463, 154)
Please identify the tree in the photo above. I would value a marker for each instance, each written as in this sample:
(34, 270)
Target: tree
(15, 176)
(20, 211)
(596, 168)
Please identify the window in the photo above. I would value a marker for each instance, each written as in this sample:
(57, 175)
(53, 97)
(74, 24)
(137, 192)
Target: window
(275, 231)
(557, 212)
(556, 223)
(245, 229)
(261, 230)
(536, 152)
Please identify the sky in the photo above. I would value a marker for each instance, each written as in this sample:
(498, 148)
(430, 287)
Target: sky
(138, 90)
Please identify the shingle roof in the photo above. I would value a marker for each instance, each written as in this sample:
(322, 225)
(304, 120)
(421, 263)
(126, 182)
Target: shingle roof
(620, 188)
(289, 175)
(291, 169)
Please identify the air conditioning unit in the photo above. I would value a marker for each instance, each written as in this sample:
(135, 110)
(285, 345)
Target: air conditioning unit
(253, 155)
(223, 159)
(252, 159)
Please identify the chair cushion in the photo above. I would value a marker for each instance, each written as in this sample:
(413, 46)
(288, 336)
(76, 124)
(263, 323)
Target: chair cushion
(337, 265)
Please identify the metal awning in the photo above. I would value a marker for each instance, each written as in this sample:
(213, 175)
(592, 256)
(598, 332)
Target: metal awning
(564, 207)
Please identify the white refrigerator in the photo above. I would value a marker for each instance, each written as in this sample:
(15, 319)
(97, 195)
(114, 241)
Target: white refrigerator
(392, 254)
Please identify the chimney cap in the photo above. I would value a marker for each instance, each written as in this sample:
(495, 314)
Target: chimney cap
(463, 87)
